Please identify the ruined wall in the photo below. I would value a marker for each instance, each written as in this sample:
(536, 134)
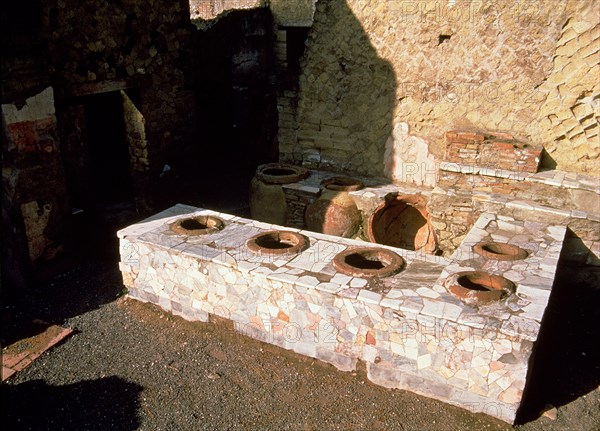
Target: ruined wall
(286, 12)
(32, 172)
(210, 9)
(105, 46)
(55, 55)
(383, 80)
(34, 203)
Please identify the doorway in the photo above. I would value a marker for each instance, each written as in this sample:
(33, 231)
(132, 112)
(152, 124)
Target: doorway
(109, 161)
(95, 149)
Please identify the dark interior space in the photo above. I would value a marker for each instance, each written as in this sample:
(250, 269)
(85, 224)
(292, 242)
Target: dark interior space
(95, 152)
(23, 45)
(20, 22)
(236, 107)
(296, 44)
(109, 154)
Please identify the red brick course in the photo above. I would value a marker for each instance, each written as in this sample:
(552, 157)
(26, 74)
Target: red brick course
(491, 150)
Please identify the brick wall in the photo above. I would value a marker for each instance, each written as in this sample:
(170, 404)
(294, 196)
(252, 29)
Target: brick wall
(497, 151)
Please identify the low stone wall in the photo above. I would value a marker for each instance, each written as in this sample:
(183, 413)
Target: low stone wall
(465, 191)
(411, 332)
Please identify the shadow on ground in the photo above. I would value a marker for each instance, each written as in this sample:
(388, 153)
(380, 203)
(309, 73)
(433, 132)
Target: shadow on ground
(108, 403)
(566, 362)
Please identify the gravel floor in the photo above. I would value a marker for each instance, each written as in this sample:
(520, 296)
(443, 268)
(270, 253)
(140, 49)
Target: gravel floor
(132, 366)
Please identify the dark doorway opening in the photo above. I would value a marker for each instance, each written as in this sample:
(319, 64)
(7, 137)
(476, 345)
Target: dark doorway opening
(236, 106)
(108, 148)
(296, 43)
(95, 149)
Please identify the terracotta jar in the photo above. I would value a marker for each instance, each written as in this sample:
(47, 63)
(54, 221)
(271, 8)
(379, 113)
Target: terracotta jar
(267, 199)
(334, 212)
(403, 222)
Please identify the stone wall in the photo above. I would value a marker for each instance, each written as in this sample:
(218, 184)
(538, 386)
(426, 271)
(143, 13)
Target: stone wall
(378, 76)
(298, 13)
(463, 193)
(32, 172)
(146, 47)
(56, 55)
(211, 9)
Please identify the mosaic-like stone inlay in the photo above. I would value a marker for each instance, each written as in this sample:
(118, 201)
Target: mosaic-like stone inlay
(411, 332)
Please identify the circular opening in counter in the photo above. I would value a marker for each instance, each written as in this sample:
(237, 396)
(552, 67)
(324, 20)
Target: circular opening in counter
(199, 225)
(499, 251)
(280, 173)
(277, 242)
(368, 262)
(479, 287)
(403, 222)
(342, 184)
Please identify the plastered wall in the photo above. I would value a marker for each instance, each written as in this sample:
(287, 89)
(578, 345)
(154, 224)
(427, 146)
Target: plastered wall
(381, 81)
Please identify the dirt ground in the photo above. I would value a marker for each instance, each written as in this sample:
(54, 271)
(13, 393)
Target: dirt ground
(132, 366)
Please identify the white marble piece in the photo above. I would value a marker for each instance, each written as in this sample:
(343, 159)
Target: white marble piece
(450, 167)
(521, 327)
(328, 287)
(427, 292)
(424, 361)
(314, 308)
(433, 308)
(358, 282)
(534, 311)
(341, 279)
(350, 309)
(369, 297)
(451, 311)
(394, 293)
(391, 303)
(413, 306)
(307, 281)
(284, 277)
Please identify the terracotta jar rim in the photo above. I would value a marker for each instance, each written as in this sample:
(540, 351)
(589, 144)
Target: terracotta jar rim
(479, 287)
(277, 242)
(280, 173)
(500, 251)
(342, 184)
(197, 225)
(354, 262)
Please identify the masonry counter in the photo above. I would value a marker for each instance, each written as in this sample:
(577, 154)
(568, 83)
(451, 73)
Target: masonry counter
(410, 329)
